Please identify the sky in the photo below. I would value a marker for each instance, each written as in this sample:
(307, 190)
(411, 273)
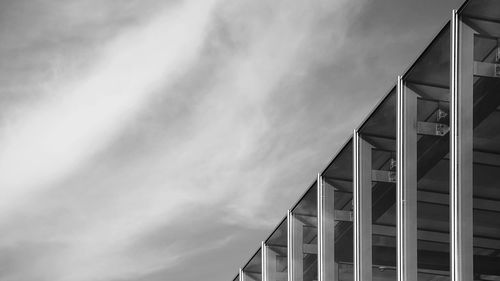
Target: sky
(163, 140)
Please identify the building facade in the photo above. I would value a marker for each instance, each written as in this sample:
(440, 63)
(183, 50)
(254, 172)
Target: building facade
(414, 194)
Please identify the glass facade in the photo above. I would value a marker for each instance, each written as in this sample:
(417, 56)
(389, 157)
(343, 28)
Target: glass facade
(414, 194)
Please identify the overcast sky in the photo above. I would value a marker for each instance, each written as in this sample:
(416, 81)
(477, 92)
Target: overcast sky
(163, 140)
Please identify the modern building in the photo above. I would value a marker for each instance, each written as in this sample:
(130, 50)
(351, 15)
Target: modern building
(415, 192)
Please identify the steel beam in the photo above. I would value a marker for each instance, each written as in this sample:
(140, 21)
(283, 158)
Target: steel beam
(435, 236)
(295, 237)
(310, 249)
(461, 154)
(362, 200)
(432, 129)
(341, 215)
(406, 183)
(326, 231)
(383, 176)
(486, 69)
(431, 260)
(443, 199)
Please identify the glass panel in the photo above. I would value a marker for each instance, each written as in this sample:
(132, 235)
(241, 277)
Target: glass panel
(429, 77)
(253, 269)
(339, 172)
(485, 9)
(339, 175)
(429, 80)
(382, 122)
(380, 131)
(306, 212)
(484, 17)
(277, 242)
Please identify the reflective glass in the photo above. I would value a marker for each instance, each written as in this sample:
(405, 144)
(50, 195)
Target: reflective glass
(484, 18)
(339, 175)
(277, 243)
(253, 269)
(429, 80)
(306, 212)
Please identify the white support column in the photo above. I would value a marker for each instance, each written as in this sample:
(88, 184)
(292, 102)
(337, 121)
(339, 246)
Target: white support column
(268, 263)
(362, 199)
(326, 231)
(295, 248)
(461, 155)
(242, 275)
(406, 184)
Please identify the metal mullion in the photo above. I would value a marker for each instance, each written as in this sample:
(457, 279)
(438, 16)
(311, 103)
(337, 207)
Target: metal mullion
(406, 184)
(268, 263)
(326, 231)
(242, 275)
(264, 262)
(295, 248)
(461, 150)
(362, 189)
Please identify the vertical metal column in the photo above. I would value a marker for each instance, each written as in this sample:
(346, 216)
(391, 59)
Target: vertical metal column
(295, 248)
(406, 184)
(242, 275)
(461, 131)
(362, 197)
(268, 263)
(326, 231)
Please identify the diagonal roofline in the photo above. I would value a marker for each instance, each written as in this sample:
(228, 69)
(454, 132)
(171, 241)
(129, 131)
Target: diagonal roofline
(363, 122)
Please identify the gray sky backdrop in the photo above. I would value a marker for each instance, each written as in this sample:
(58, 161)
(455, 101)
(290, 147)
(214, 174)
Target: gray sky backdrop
(163, 140)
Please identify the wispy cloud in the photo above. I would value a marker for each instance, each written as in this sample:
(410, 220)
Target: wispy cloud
(185, 138)
(218, 162)
(49, 139)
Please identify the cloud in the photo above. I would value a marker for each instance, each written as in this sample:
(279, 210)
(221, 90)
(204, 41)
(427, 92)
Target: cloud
(186, 139)
(47, 140)
(98, 208)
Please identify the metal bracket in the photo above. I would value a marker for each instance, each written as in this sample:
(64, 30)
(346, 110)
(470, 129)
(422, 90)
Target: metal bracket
(432, 129)
(392, 164)
(441, 114)
(486, 69)
(497, 59)
(384, 176)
